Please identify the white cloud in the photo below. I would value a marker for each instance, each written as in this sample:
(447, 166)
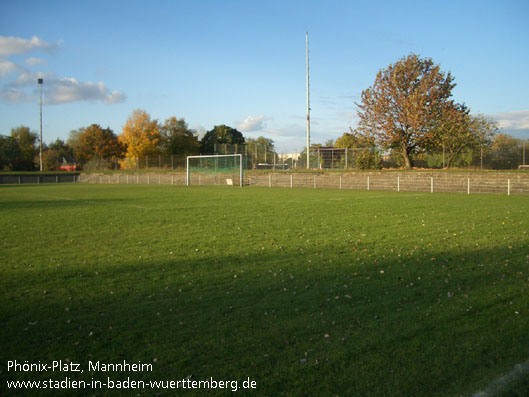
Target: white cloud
(59, 90)
(27, 78)
(518, 120)
(252, 123)
(13, 96)
(7, 67)
(115, 97)
(16, 45)
(35, 61)
(23, 85)
(68, 89)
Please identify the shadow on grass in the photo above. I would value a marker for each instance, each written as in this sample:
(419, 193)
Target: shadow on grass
(401, 327)
(57, 203)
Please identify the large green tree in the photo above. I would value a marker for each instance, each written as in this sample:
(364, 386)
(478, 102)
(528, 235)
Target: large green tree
(73, 138)
(505, 152)
(458, 130)
(177, 138)
(404, 104)
(365, 154)
(260, 150)
(10, 153)
(452, 133)
(220, 134)
(27, 142)
(55, 153)
(354, 140)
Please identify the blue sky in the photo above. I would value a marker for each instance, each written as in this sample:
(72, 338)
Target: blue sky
(242, 63)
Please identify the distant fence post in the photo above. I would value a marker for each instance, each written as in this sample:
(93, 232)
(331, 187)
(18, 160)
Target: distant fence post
(468, 185)
(368, 183)
(431, 184)
(508, 187)
(398, 183)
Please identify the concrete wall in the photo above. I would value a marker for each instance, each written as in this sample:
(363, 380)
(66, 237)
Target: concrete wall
(455, 182)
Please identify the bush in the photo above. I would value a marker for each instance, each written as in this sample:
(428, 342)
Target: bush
(368, 160)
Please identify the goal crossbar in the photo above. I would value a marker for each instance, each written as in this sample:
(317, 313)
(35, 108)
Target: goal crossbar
(188, 169)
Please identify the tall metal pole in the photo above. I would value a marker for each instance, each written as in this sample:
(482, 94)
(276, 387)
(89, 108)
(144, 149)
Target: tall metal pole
(40, 81)
(308, 100)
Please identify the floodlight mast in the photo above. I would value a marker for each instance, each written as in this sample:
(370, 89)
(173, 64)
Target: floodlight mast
(308, 99)
(40, 81)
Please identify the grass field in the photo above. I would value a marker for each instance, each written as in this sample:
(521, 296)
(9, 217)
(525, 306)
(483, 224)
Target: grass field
(306, 292)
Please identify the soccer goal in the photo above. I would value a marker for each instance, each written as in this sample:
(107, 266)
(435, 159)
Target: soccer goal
(217, 169)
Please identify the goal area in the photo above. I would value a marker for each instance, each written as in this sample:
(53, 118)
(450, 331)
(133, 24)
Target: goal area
(215, 169)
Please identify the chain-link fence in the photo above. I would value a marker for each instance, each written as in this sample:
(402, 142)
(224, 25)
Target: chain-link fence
(262, 157)
(332, 158)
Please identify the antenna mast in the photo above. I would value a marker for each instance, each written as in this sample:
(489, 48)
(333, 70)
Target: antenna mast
(308, 100)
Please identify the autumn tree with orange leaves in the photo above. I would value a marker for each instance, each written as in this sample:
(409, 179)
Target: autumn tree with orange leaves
(96, 142)
(405, 104)
(141, 135)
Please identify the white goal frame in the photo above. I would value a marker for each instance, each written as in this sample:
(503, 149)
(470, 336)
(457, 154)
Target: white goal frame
(188, 176)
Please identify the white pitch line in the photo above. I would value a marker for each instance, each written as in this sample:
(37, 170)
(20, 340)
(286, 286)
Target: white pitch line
(499, 385)
(358, 198)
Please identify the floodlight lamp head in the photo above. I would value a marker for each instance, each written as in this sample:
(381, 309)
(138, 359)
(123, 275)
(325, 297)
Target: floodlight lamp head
(40, 81)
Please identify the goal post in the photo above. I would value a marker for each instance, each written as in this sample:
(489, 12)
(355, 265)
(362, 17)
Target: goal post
(215, 165)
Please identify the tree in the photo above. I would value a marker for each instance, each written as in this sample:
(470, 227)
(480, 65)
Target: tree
(404, 104)
(96, 142)
(329, 143)
(453, 132)
(141, 135)
(55, 153)
(177, 138)
(458, 130)
(347, 140)
(484, 127)
(365, 154)
(73, 139)
(9, 153)
(354, 139)
(260, 150)
(505, 152)
(27, 142)
(220, 134)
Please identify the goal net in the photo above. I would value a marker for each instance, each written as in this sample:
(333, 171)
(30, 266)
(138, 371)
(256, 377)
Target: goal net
(218, 169)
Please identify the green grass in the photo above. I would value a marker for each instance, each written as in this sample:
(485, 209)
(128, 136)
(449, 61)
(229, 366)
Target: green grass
(307, 292)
